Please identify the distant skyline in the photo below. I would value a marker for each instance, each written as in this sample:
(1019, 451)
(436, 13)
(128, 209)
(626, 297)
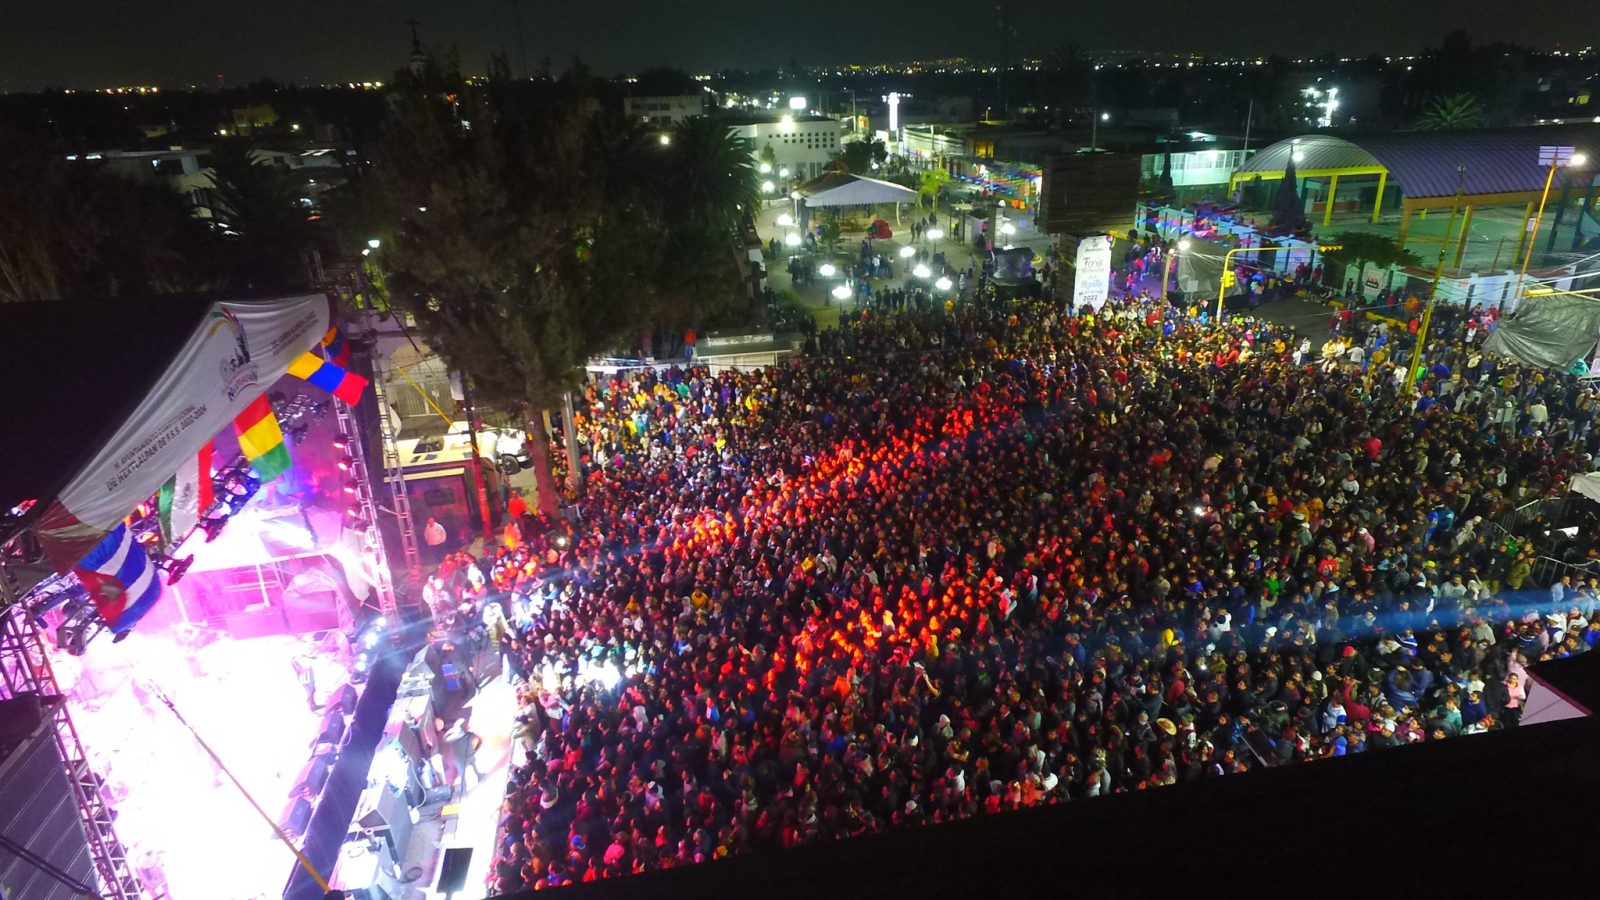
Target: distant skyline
(103, 43)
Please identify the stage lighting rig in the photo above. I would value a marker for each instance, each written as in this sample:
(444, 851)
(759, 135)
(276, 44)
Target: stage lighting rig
(174, 567)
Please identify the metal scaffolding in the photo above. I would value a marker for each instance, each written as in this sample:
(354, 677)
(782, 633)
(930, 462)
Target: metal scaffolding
(24, 670)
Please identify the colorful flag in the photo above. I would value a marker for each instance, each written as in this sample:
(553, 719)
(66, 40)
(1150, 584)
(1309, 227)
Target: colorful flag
(187, 496)
(347, 386)
(121, 580)
(335, 349)
(261, 439)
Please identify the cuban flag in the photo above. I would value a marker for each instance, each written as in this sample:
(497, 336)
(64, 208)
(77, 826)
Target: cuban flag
(121, 580)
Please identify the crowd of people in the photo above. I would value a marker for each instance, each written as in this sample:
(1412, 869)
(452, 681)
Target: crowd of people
(969, 559)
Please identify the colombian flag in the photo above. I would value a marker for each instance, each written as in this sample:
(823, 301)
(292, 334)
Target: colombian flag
(261, 439)
(347, 386)
(334, 348)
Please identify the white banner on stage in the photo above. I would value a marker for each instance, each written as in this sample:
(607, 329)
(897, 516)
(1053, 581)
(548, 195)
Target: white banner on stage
(1092, 280)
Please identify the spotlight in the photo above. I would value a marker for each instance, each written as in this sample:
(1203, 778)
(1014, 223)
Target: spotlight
(370, 640)
(361, 663)
(213, 527)
(175, 568)
(380, 622)
(1199, 511)
(351, 486)
(561, 541)
(345, 463)
(341, 441)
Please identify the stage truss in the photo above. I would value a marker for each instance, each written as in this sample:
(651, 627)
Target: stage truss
(24, 669)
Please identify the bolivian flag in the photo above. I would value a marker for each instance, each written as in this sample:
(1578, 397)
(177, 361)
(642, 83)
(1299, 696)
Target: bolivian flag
(261, 439)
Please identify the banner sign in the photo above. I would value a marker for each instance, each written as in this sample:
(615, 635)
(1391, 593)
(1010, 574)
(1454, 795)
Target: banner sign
(234, 355)
(1092, 280)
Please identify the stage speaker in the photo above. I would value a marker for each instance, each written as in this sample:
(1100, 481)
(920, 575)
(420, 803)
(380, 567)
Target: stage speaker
(381, 811)
(308, 784)
(453, 872)
(20, 718)
(296, 816)
(343, 699)
(331, 731)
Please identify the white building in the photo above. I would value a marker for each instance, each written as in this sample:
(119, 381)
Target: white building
(803, 144)
(664, 110)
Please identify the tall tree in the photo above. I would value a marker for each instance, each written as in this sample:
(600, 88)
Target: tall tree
(74, 231)
(266, 232)
(861, 157)
(1452, 112)
(527, 232)
(1288, 211)
(1357, 248)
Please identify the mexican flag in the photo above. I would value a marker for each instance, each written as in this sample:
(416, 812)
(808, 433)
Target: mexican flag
(187, 496)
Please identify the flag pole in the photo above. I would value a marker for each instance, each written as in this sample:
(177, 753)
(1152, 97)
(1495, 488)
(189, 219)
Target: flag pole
(304, 863)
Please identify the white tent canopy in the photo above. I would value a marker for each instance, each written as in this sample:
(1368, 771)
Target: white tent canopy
(835, 189)
(1587, 484)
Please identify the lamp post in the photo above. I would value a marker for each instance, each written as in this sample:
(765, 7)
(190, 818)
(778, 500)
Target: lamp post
(1094, 129)
(1166, 270)
(1555, 158)
(934, 234)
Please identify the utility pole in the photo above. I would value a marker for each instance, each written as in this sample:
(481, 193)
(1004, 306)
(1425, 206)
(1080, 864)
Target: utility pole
(1412, 383)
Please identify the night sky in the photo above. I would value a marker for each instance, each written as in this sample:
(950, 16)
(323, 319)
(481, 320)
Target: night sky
(97, 43)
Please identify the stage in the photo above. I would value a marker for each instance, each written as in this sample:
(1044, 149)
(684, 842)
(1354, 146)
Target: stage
(185, 824)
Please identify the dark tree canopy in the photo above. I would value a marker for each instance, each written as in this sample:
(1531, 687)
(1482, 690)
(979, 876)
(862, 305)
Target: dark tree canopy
(527, 230)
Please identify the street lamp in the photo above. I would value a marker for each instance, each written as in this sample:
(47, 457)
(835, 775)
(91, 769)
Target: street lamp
(783, 172)
(768, 187)
(841, 292)
(374, 243)
(1555, 158)
(792, 239)
(785, 220)
(1008, 229)
(921, 271)
(943, 283)
(765, 168)
(826, 270)
(1166, 270)
(907, 251)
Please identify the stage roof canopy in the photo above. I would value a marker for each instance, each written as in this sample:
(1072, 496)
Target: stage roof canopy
(106, 400)
(839, 189)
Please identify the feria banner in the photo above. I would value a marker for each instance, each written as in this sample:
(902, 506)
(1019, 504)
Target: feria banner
(235, 354)
(1092, 277)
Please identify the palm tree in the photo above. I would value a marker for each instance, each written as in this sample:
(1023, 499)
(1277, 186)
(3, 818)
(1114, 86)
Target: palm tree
(713, 173)
(1452, 112)
(257, 206)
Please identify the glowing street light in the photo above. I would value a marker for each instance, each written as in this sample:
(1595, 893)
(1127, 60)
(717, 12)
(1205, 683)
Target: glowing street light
(826, 270)
(785, 220)
(768, 187)
(841, 292)
(934, 234)
(792, 239)
(765, 168)
(1008, 229)
(921, 271)
(665, 139)
(943, 284)
(783, 172)
(374, 243)
(907, 252)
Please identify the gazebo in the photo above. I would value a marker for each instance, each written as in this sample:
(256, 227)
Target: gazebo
(836, 189)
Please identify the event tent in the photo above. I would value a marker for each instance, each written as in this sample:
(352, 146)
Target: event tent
(108, 399)
(840, 189)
